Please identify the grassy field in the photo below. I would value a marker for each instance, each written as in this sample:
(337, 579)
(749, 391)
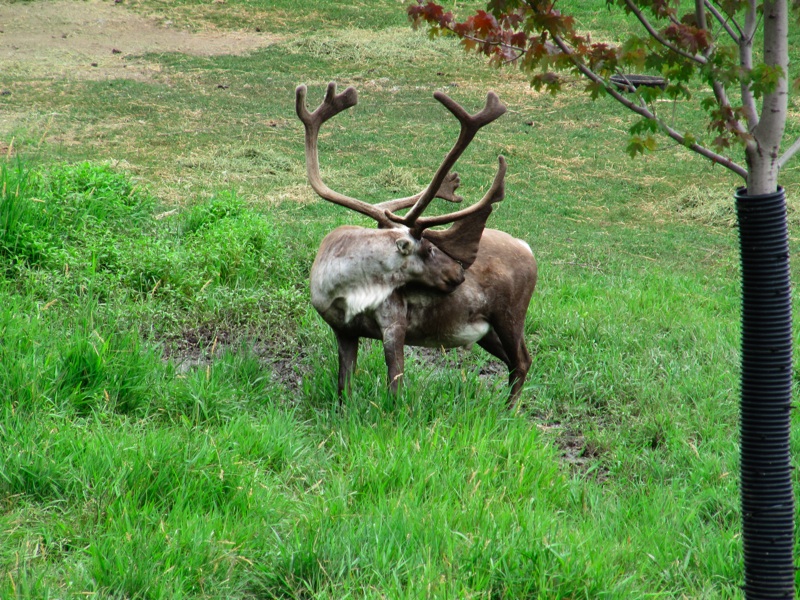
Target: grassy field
(168, 420)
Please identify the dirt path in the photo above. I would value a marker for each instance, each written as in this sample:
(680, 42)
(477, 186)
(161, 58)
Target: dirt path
(96, 39)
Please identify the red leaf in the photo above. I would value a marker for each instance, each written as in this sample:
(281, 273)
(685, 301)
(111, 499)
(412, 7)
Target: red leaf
(433, 12)
(519, 39)
(662, 8)
(721, 142)
(483, 22)
(687, 37)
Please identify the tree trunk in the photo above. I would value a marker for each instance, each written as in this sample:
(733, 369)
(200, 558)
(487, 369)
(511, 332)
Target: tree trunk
(763, 151)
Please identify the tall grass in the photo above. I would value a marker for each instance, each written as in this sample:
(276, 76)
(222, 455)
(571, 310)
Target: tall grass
(129, 474)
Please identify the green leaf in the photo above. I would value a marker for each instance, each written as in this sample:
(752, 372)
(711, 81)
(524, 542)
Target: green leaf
(764, 79)
(644, 126)
(549, 81)
(649, 94)
(641, 145)
(709, 103)
(636, 145)
(595, 89)
(678, 90)
(731, 7)
(633, 52)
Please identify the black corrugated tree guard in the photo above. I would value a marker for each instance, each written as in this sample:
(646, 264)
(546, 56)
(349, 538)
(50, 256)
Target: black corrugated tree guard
(702, 49)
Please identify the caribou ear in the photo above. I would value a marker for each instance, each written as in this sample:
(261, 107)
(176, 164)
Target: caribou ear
(405, 246)
(461, 240)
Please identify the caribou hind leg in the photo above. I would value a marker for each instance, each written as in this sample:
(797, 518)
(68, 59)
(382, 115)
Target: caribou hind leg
(492, 344)
(509, 347)
(517, 376)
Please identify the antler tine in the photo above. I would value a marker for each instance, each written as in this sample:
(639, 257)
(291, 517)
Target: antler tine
(492, 110)
(447, 191)
(332, 105)
(495, 194)
(470, 124)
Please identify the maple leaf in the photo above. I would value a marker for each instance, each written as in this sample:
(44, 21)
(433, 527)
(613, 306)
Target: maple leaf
(483, 22)
(687, 37)
(519, 39)
(550, 81)
(432, 12)
(595, 89)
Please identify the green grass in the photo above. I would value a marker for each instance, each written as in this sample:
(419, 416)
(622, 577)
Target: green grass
(168, 420)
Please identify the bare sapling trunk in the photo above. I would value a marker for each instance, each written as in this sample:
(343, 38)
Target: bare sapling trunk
(762, 153)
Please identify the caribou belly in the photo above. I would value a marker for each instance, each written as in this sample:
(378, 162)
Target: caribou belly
(462, 335)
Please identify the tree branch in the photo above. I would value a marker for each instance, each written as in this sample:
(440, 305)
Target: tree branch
(746, 62)
(724, 22)
(700, 14)
(793, 149)
(659, 38)
(467, 36)
(719, 89)
(645, 112)
(722, 100)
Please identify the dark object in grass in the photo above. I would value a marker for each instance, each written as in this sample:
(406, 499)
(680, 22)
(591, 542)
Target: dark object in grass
(766, 402)
(629, 83)
(407, 284)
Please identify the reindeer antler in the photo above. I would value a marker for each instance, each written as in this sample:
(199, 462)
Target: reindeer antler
(461, 240)
(495, 194)
(331, 106)
(470, 124)
(447, 191)
(444, 182)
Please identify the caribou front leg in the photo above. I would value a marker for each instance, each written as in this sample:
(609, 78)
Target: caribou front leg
(393, 320)
(348, 353)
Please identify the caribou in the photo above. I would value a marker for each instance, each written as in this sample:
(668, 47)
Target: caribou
(407, 284)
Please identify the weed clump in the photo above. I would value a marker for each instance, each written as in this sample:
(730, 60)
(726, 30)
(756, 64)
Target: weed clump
(49, 218)
(105, 286)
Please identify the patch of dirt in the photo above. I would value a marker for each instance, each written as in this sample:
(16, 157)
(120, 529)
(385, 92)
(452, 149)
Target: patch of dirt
(99, 40)
(287, 370)
(197, 348)
(581, 456)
